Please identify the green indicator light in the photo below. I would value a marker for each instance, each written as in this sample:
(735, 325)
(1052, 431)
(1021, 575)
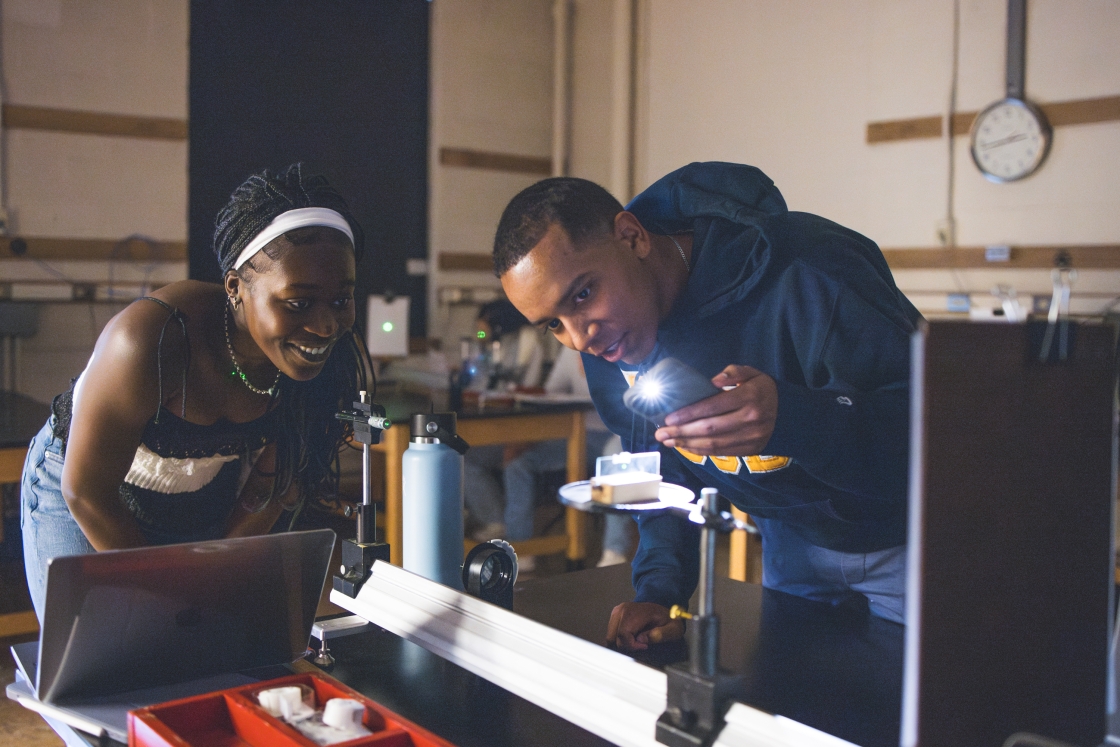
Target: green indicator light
(481, 335)
(387, 327)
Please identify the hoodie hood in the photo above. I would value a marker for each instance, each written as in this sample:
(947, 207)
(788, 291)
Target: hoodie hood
(715, 201)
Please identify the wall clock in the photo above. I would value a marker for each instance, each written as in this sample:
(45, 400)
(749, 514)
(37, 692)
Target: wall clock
(1011, 137)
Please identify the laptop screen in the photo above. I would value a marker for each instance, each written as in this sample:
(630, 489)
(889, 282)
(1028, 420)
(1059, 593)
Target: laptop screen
(127, 619)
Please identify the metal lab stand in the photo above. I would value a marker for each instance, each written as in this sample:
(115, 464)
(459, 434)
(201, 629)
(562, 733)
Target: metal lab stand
(360, 553)
(698, 692)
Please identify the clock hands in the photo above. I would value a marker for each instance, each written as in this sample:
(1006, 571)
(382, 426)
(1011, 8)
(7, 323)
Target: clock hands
(1004, 141)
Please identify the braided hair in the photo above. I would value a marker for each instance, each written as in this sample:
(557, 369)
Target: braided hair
(308, 437)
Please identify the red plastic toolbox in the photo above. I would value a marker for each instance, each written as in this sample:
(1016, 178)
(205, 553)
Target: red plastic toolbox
(232, 718)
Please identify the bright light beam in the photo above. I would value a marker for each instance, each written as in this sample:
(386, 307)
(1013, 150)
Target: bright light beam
(651, 390)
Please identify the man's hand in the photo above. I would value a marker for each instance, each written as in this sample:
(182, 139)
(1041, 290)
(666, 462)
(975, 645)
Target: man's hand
(737, 422)
(635, 625)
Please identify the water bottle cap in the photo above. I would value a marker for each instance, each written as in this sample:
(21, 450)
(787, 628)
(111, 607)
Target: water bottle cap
(429, 424)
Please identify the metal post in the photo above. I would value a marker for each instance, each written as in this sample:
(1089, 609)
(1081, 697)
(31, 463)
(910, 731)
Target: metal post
(364, 522)
(708, 497)
(703, 638)
(1016, 48)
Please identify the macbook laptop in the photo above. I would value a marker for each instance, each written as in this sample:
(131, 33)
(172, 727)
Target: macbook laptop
(129, 620)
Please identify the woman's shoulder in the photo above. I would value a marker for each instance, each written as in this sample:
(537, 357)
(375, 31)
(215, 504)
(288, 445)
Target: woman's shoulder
(141, 325)
(191, 298)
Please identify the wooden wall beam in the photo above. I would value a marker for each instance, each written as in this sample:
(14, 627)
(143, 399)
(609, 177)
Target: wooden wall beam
(16, 116)
(1086, 257)
(466, 261)
(1090, 257)
(1060, 114)
(904, 129)
(473, 159)
(130, 249)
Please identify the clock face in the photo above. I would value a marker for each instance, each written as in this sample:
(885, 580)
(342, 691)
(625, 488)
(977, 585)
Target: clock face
(1010, 140)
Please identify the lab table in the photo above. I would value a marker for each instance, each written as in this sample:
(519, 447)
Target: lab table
(835, 669)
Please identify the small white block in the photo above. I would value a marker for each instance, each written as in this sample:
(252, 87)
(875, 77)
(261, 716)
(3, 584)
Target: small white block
(625, 487)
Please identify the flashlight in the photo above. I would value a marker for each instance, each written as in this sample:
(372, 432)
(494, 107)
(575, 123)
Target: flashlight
(667, 387)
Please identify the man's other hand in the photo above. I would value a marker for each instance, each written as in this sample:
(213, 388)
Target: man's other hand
(736, 422)
(636, 625)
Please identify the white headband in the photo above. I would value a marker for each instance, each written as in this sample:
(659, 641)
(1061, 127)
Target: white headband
(289, 221)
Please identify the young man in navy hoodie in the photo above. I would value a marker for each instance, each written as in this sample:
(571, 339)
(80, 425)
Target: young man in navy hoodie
(799, 321)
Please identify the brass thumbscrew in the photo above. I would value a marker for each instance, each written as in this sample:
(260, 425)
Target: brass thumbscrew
(677, 611)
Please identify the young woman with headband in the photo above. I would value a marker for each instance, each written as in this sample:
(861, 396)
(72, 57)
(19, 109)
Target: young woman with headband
(207, 410)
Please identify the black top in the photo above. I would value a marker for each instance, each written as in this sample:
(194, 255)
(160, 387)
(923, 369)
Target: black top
(186, 478)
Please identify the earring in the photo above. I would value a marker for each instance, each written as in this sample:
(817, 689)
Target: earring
(234, 301)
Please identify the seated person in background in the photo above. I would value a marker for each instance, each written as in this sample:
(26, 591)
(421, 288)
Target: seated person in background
(522, 475)
(511, 354)
(796, 317)
(512, 348)
(206, 410)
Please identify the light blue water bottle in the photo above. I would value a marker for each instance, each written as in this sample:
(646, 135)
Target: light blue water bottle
(432, 473)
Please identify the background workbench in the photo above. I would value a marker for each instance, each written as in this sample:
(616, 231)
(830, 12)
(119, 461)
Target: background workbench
(484, 427)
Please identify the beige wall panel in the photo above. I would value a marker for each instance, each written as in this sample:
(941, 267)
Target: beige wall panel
(1073, 198)
(472, 201)
(791, 86)
(492, 75)
(900, 195)
(86, 186)
(761, 83)
(114, 56)
(912, 35)
(590, 155)
(491, 90)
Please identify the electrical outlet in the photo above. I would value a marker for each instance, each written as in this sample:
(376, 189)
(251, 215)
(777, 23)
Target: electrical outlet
(997, 253)
(958, 302)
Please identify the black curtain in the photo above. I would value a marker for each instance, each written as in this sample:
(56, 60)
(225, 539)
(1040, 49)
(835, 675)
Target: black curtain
(341, 85)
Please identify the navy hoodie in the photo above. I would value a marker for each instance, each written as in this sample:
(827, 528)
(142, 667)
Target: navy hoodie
(813, 305)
